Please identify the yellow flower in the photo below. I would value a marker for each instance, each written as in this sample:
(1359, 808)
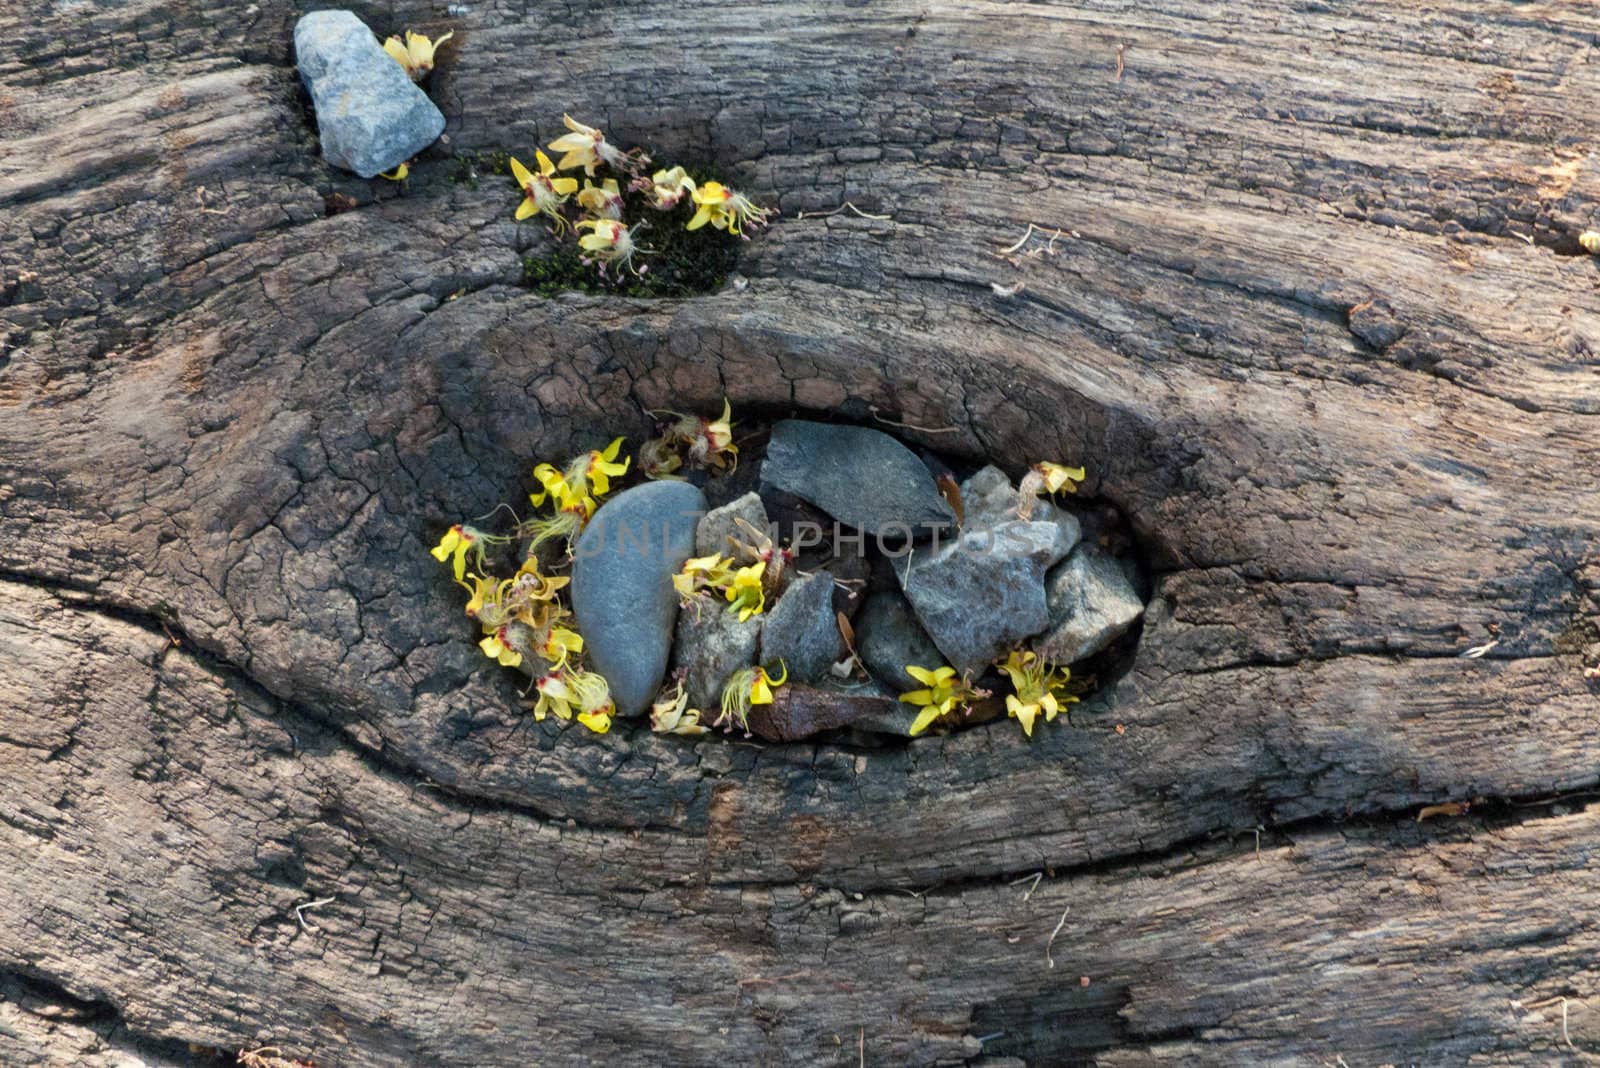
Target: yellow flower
(399, 174)
(667, 188)
(531, 584)
(603, 201)
(567, 523)
(609, 242)
(559, 644)
(700, 572)
(602, 467)
(542, 194)
(942, 693)
(587, 147)
(1590, 240)
(761, 688)
(744, 688)
(671, 714)
(416, 53)
(570, 692)
(495, 648)
(1035, 682)
(598, 721)
(714, 445)
(457, 542)
(481, 589)
(1058, 478)
(725, 209)
(744, 592)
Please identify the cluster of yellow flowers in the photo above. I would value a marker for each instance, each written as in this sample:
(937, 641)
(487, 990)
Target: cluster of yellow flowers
(523, 623)
(523, 618)
(1038, 688)
(609, 242)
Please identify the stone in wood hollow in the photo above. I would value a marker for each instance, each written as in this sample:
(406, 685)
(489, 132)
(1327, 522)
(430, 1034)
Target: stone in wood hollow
(984, 591)
(709, 645)
(370, 116)
(622, 593)
(862, 477)
(1091, 604)
(802, 630)
(889, 639)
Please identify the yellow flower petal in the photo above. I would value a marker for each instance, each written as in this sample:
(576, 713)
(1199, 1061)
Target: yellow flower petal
(564, 186)
(523, 176)
(526, 208)
(924, 720)
(701, 217)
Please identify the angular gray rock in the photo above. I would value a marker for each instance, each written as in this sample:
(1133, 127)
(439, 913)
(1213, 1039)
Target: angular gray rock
(984, 591)
(711, 536)
(622, 593)
(1091, 603)
(989, 498)
(802, 630)
(709, 645)
(862, 477)
(888, 637)
(370, 117)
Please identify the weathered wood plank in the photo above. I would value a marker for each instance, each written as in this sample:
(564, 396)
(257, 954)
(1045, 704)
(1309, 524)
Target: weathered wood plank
(1317, 322)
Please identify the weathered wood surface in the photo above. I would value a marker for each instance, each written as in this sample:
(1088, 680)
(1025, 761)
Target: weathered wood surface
(1320, 327)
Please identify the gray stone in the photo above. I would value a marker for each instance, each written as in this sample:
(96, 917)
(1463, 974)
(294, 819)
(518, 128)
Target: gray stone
(989, 498)
(1091, 603)
(370, 116)
(622, 592)
(888, 637)
(802, 630)
(862, 477)
(984, 591)
(709, 645)
(717, 526)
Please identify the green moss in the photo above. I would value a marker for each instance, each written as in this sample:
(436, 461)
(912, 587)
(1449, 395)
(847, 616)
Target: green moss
(471, 168)
(678, 262)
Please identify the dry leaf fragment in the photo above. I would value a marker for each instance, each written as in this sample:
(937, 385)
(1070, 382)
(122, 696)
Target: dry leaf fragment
(1448, 808)
(952, 496)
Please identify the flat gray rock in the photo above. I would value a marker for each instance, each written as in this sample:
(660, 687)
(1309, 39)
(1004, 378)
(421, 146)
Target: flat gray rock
(1091, 604)
(888, 637)
(802, 630)
(709, 645)
(983, 592)
(622, 593)
(370, 117)
(717, 526)
(862, 477)
(989, 498)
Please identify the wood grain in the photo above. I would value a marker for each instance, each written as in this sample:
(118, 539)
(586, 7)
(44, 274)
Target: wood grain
(1316, 320)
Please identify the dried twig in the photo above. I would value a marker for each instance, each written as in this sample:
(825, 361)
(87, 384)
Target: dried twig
(843, 207)
(1032, 879)
(1121, 47)
(1052, 940)
(1478, 650)
(300, 914)
(912, 426)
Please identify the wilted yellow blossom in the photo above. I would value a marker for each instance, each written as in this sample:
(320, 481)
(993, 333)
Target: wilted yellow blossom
(724, 209)
(415, 53)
